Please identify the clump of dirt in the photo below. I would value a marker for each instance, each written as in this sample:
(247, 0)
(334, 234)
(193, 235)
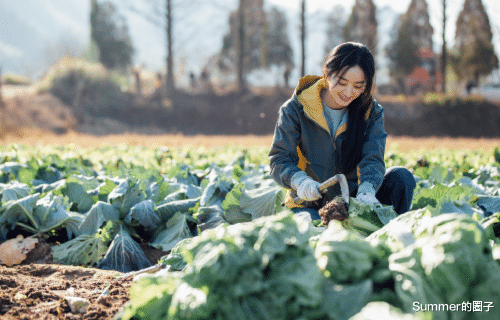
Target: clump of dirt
(337, 209)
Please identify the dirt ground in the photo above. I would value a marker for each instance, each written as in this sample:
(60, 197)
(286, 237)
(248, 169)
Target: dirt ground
(399, 143)
(36, 289)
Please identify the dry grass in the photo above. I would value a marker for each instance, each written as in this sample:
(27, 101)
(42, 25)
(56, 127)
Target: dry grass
(402, 144)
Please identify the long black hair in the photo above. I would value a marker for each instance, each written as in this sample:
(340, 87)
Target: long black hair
(340, 59)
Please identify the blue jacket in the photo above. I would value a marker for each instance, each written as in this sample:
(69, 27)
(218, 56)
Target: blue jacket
(303, 141)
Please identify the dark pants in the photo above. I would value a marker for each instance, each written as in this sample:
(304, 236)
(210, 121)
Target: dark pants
(396, 190)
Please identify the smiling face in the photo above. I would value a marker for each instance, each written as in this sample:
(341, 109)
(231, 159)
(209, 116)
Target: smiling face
(344, 87)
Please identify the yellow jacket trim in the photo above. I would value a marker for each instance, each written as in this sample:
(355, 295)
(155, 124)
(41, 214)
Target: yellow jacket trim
(302, 160)
(309, 96)
(302, 166)
(289, 203)
(340, 130)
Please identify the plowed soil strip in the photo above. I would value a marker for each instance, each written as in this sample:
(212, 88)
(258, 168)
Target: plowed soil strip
(403, 144)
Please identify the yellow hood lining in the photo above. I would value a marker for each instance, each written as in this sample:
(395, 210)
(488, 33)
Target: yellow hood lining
(308, 93)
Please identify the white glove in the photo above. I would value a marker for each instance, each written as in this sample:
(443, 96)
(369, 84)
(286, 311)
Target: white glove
(307, 188)
(367, 198)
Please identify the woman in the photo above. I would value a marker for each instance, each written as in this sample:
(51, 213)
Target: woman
(333, 125)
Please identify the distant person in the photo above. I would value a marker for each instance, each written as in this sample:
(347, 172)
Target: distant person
(158, 95)
(137, 75)
(205, 81)
(286, 76)
(192, 80)
(333, 125)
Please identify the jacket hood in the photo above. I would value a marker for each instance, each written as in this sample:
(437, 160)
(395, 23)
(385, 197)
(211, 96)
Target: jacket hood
(308, 93)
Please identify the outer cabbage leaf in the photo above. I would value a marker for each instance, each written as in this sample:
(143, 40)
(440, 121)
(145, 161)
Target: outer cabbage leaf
(175, 259)
(241, 205)
(451, 255)
(345, 256)
(489, 204)
(126, 195)
(158, 190)
(491, 225)
(215, 192)
(47, 174)
(440, 193)
(263, 201)
(20, 210)
(144, 295)
(13, 191)
(184, 175)
(167, 210)
(84, 250)
(399, 232)
(295, 276)
(12, 167)
(102, 192)
(77, 195)
(411, 283)
(209, 217)
(177, 230)
(449, 238)
(344, 301)
(368, 218)
(144, 213)
(52, 212)
(124, 254)
(94, 219)
(231, 206)
(442, 175)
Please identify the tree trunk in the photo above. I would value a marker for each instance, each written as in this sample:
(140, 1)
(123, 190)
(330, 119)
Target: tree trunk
(241, 47)
(303, 38)
(443, 52)
(170, 59)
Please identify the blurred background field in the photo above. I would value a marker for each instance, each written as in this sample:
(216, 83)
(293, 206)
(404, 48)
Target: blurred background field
(172, 73)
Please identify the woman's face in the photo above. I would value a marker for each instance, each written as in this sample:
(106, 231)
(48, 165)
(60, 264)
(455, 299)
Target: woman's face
(342, 90)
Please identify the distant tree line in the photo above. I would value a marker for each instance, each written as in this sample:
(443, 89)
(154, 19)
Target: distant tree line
(259, 39)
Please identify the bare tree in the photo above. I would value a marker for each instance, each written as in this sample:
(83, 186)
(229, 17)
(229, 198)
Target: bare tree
(170, 55)
(444, 52)
(241, 46)
(303, 38)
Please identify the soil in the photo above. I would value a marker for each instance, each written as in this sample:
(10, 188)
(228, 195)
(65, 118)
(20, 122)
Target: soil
(36, 289)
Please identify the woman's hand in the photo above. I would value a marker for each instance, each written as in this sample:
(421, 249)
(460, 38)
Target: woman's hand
(367, 198)
(307, 188)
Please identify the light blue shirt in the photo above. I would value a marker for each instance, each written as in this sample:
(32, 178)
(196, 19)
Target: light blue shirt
(335, 118)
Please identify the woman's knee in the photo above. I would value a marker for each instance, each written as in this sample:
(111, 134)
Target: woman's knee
(401, 175)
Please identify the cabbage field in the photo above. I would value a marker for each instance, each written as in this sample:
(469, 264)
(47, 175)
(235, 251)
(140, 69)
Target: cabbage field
(237, 253)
